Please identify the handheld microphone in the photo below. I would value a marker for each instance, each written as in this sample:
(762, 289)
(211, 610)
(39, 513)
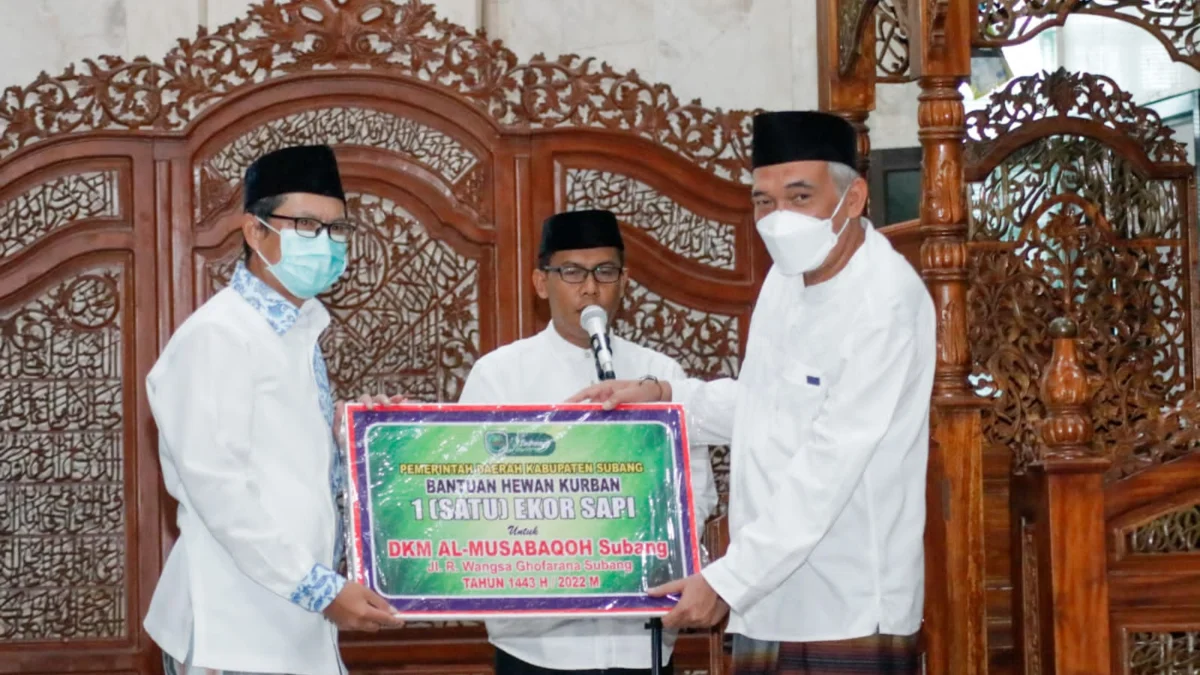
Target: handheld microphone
(595, 321)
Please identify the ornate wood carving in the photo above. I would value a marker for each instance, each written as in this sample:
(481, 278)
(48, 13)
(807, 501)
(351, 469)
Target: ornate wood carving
(276, 40)
(216, 177)
(1066, 393)
(1064, 223)
(1161, 435)
(706, 344)
(1077, 206)
(1174, 532)
(891, 41)
(1037, 105)
(1154, 653)
(670, 223)
(63, 560)
(1009, 22)
(49, 206)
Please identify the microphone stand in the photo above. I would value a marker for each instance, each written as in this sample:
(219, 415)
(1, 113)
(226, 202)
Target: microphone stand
(655, 624)
(656, 628)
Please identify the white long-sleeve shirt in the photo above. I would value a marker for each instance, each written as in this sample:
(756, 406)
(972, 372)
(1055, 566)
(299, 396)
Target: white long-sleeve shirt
(242, 403)
(546, 369)
(829, 425)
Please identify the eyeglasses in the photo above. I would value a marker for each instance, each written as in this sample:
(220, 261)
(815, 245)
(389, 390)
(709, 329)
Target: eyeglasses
(339, 230)
(573, 274)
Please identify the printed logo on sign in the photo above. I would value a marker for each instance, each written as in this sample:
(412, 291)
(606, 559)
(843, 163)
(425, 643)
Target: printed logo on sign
(497, 442)
(527, 444)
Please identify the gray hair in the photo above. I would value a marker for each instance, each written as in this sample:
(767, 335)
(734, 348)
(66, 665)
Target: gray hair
(843, 176)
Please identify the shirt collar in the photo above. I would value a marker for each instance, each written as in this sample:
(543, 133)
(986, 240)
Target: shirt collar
(273, 307)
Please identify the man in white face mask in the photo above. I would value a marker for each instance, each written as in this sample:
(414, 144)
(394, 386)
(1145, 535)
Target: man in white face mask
(828, 422)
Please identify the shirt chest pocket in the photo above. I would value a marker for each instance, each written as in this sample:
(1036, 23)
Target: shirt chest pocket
(800, 393)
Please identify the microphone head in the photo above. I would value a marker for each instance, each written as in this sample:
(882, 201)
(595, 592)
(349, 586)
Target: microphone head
(594, 319)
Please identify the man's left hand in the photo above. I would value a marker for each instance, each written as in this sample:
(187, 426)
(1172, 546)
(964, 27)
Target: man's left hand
(699, 605)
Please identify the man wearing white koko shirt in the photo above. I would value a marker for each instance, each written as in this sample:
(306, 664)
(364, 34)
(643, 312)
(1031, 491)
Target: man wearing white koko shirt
(829, 424)
(581, 263)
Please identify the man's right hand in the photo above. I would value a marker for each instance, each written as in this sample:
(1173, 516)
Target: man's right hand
(359, 608)
(613, 393)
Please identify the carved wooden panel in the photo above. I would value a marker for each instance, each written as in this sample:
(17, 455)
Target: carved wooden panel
(1009, 22)
(216, 177)
(51, 205)
(891, 42)
(706, 344)
(62, 529)
(1174, 532)
(1173, 653)
(275, 40)
(670, 223)
(1078, 206)
(1066, 225)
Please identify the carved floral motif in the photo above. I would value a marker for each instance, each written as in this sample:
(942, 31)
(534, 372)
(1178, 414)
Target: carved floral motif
(401, 40)
(1175, 23)
(1164, 433)
(704, 343)
(62, 524)
(1063, 94)
(1067, 227)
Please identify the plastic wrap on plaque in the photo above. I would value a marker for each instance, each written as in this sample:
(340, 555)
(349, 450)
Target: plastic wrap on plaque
(459, 512)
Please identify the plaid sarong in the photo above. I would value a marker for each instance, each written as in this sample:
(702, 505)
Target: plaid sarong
(872, 655)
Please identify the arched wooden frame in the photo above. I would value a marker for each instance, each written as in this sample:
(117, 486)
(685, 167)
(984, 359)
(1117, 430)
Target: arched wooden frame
(1010, 22)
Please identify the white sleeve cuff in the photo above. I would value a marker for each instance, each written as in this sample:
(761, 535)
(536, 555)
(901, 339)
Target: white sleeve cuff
(732, 590)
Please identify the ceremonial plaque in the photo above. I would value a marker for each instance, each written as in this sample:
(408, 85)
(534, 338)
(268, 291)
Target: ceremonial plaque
(469, 511)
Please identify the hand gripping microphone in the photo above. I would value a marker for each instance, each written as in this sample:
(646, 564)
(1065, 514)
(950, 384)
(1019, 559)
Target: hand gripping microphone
(595, 321)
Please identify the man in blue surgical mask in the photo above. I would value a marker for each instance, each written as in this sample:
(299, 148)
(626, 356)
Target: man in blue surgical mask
(242, 401)
(828, 423)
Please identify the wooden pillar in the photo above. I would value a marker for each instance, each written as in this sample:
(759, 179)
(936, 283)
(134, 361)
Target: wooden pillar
(846, 65)
(955, 614)
(1071, 546)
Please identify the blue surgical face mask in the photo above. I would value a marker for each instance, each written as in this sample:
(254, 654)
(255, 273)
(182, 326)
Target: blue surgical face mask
(308, 266)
